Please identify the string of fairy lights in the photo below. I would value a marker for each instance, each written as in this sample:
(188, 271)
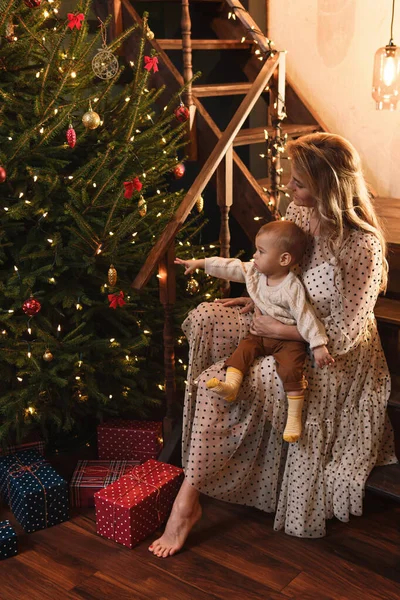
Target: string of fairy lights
(275, 144)
(99, 245)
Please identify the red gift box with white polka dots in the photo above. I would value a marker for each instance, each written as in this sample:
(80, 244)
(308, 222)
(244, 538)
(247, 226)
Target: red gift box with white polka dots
(120, 439)
(132, 508)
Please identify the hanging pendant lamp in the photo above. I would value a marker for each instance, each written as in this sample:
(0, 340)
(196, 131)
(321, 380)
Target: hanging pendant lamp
(386, 79)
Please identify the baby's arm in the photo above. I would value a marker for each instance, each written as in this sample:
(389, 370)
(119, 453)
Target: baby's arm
(191, 265)
(309, 326)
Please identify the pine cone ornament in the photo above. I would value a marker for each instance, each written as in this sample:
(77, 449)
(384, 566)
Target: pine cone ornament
(112, 275)
(71, 137)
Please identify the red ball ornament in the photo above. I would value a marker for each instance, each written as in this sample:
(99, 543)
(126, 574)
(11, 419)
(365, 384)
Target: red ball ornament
(32, 3)
(182, 113)
(3, 175)
(179, 171)
(31, 307)
(71, 137)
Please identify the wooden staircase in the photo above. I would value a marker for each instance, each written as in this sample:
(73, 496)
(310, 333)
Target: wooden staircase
(233, 35)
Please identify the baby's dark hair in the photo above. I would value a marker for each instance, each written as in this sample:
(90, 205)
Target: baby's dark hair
(289, 236)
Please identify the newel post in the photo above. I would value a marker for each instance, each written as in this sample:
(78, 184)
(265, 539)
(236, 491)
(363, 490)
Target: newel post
(167, 283)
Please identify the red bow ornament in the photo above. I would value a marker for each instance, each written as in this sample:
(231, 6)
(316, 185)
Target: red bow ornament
(75, 20)
(151, 62)
(131, 186)
(116, 299)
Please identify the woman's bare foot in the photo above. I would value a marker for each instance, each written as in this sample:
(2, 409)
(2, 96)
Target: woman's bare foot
(179, 524)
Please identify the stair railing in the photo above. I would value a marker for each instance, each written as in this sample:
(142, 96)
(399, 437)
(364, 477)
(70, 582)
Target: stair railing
(219, 161)
(161, 255)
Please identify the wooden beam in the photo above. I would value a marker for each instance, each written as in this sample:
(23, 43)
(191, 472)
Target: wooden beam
(176, 44)
(207, 90)
(256, 135)
(206, 173)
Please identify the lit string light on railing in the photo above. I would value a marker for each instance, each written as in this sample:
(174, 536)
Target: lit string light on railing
(253, 30)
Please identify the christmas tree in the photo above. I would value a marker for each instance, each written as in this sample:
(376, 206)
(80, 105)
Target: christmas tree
(85, 170)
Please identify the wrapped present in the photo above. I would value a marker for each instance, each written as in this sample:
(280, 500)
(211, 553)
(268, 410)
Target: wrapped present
(119, 439)
(36, 494)
(90, 476)
(130, 509)
(8, 540)
(32, 442)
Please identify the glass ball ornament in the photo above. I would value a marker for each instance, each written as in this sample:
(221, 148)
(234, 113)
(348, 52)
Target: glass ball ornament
(91, 119)
(182, 113)
(3, 175)
(179, 171)
(192, 286)
(47, 356)
(105, 64)
(31, 307)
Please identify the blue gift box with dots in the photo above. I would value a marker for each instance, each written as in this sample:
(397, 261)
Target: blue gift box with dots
(8, 540)
(35, 492)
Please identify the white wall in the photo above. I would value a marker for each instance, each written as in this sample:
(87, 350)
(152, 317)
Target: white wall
(331, 46)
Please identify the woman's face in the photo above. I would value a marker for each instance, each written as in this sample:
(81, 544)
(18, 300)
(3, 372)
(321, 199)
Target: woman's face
(301, 195)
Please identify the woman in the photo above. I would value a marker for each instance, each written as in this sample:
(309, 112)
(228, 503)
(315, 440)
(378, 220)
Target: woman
(234, 452)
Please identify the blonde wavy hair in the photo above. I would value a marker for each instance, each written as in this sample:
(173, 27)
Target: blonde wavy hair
(330, 168)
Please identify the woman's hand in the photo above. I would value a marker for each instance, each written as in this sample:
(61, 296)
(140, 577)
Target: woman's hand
(246, 303)
(190, 265)
(264, 325)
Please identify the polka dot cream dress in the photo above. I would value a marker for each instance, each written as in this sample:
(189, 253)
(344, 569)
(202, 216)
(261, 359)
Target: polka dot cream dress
(235, 452)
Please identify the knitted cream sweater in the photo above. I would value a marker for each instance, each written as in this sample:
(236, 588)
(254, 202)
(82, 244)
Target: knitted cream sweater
(286, 302)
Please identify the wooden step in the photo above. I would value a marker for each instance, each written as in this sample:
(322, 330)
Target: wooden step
(221, 89)
(388, 210)
(385, 481)
(388, 311)
(256, 135)
(176, 44)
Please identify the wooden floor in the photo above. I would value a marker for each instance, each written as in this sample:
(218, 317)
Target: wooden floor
(233, 554)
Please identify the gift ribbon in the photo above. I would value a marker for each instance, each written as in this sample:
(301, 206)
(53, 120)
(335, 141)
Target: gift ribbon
(19, 472)
(136, 480)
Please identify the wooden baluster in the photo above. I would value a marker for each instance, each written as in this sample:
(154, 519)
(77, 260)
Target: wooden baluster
(186, 26)
(224, 200)
(167, 281)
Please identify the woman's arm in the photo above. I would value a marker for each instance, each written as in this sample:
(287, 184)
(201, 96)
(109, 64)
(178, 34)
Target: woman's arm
(267, 326)
(357, 283)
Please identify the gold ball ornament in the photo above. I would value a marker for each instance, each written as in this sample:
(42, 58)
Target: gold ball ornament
(83, 398)
(192, 286)
(200, 204)
(112, 275)
(150, 34)
(105, 64)
(91, 120)
(47, 356)
(142, 206)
